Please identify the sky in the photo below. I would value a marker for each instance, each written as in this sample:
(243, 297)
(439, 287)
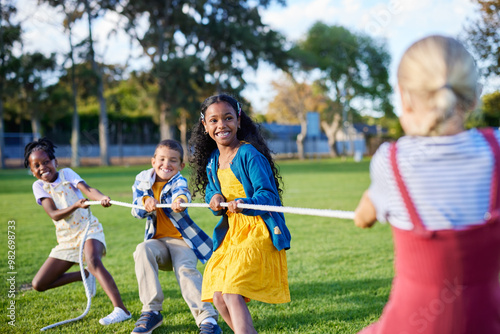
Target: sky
(398, 22)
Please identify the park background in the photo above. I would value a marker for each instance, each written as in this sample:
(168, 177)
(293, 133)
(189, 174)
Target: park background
(105, 76)
(138, 72)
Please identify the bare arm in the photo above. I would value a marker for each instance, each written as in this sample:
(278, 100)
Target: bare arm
(94, 194)
(365, 214)
(58, 214)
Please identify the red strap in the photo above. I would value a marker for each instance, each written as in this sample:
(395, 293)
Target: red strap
(418, 226)
(489, 135)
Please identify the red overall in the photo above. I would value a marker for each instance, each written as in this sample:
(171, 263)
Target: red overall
(446, 281)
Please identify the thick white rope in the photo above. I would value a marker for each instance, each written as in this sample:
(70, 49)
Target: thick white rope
(82, 272)
(284, 209)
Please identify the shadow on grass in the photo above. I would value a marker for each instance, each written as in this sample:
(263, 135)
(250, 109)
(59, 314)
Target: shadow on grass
(328, 307)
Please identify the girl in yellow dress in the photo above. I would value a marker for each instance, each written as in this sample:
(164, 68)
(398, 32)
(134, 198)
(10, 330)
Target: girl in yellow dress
(232, 163)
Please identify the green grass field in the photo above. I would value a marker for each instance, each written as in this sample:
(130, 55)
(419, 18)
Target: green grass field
(339, 275)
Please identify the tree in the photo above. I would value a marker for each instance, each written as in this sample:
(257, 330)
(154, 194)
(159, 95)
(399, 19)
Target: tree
(129, 99)
(209, 41)
(71, 16)
(73, 11)
(30, 77)
(491, 109)
(488, 113)
(353, 69)
(10, 35)
(483, 35)
(291, 104)
(103, 116)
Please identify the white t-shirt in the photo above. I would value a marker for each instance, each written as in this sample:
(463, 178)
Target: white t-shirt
(448, 179)
(69, 175)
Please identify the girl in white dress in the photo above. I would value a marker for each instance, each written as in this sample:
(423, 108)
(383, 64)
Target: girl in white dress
(60, 194)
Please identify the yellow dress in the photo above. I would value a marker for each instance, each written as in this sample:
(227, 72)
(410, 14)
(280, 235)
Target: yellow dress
(246, 263)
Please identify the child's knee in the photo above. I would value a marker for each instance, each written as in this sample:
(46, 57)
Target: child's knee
(188, 270)
(233, 300)
(38, 285)
(141, 251)
(145, 250)
(93, 262)
(218, 300)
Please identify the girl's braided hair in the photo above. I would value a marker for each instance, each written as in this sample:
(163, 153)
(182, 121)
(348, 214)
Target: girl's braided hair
(43, 144)
(202, 145)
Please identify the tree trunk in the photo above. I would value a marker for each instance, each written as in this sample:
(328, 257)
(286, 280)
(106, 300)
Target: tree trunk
(331, 132)
(75, 138)
(165, 129)
(300, 140)
(103, 116)
(120, 140)
(75, 128)
(35, 126)
(103, 130)
(183, 132)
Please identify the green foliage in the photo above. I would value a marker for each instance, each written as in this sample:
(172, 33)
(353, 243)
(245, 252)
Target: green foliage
(132, 97)
(201, 47)
(32, 95)
(487, 114)
(491, 109)
(483, 35)
(351, 65)
(10, 37)
(339, 275)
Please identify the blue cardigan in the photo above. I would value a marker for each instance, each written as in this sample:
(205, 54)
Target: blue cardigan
(252, 169)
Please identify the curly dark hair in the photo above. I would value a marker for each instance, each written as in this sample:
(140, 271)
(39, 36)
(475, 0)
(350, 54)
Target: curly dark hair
(43, 144)
(202, 145)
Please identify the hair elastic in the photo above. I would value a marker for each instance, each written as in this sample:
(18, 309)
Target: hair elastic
(239, 108)
(202, 116)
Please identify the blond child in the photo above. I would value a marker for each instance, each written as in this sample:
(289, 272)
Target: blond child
(438, 188)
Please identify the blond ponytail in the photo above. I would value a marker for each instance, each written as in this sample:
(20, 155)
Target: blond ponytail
(442, 75)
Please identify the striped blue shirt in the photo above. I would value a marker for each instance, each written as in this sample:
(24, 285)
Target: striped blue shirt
(448, 178)
(192, 234)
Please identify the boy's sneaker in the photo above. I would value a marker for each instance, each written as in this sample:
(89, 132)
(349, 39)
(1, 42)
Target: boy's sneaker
(90, 283)
(147, 322)
(118, 315)
(208, 328)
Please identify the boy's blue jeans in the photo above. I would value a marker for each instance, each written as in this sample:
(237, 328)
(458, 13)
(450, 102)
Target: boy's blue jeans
(166, 254)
